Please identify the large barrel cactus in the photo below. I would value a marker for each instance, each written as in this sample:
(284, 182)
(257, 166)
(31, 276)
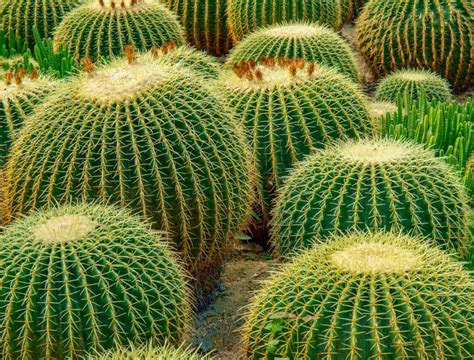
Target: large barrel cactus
(436, 35)
(205, 22)
(288, 110)
(371, 184)
(20, 17)
(246, 16)
(147, 135)
(364, 296)
(312, 42)
(101, 30)
(150, 352)
(84, 278)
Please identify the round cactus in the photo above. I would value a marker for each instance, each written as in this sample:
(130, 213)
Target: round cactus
(420, 34)
(19, 95)
(364, 296)
(85, 278)
(246, 16)
(288, 108)
(21, 17)
(371, 184)
(101, 30)
(413, 82)
(150, 352)
(144, 134)
(298, 40)
(205, 22)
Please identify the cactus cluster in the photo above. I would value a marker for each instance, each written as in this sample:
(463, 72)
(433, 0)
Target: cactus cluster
(205, 22)
(371, 184)
(435, 35)
(101, 29)
(86, 278)
(288, 107)
(311, 42)
(413, 82)
(364, 296)
(246, 16)
(379, 109)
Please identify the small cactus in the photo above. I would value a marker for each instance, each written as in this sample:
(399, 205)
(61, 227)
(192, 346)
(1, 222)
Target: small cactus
(364, 296)
(312, 42)
(86, 278)
(100, 30)
(413, 82)
(371, 184)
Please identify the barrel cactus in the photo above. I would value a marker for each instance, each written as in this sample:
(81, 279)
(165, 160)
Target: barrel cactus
(413, 82)
(439, 36)
(19, 95)
(364, 296)
(150, 352)
(312, 42)
(205, 22)
(20, 17)
(371, 184)
(288, 109)
(100, 30)
(246, 16)
(144, 134)
(84, 278)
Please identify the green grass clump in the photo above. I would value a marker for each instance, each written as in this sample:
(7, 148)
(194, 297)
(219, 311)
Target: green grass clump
(151, 352)
(86, 278)
(364, 296)
(311, 42)
(371, 184)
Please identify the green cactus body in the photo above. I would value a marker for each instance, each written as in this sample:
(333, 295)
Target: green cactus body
(20, 17)
(446, 128)
(434, 86)
(380, 109)
(146, 135)
(364, 296)
(286, 115)
(17, 102)
(101, 31)
(85, 278)
(434, 35)
(246, 16)
(150, 352)
(371, 184)
(311, 42)
(205, 22)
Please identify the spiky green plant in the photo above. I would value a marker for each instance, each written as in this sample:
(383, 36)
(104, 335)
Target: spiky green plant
(85, 278)
(10, 45)
(246, 16)
(364, 296)
(412, 82)
(312, 42)
(21, 17)
(435, 35)
(19, 95)
(143, 134)
(289, 109)
(101, 29)
(446, 128)
(205, 22)
(150, 352)
(371, 184)
(378, 109)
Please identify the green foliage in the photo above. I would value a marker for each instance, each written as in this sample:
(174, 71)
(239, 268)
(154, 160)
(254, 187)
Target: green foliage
(371, 184)
(147, 135)
(312, 42)
(85, 278)
(11, 46)
(446, 128)
(101, 31)
(364, 296)
(289, 110)
(246, 16)
(435, 35)
(413, 82)
(205, 22)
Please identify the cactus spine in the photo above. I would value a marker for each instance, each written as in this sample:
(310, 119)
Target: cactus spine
(371, 184)
(150, 352)
(86, 278)
(364, 296)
